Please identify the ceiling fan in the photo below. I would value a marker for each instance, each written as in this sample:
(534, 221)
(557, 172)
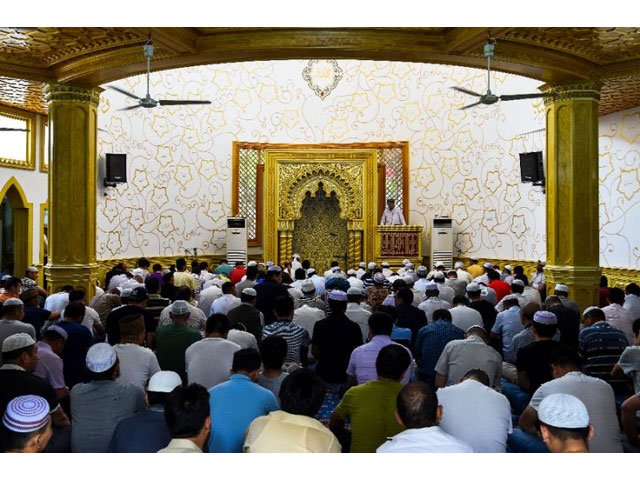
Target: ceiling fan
(147, 101)
(489, 98)
(9, 129)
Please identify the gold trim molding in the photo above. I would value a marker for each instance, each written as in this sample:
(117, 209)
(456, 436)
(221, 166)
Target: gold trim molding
(572, 91)
(72, 93)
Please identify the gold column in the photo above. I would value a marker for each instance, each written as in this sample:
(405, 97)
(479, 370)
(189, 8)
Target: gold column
(285, 243)
(72, 187)
(355, 248)
(572, 190)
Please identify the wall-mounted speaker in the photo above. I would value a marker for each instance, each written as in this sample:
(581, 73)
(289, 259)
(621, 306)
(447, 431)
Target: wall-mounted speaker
(116, 169)
(532, 168)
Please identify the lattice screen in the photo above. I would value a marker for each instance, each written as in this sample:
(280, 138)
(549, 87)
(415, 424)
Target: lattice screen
(393, 162)
(247, 188)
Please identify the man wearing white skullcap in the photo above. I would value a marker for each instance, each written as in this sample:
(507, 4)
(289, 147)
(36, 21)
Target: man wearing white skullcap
(562, 291)
(433, 302)
(26, 425)
(596, 395)
(333, 340)
(20, 357)
(463, 275)
(362, 269)
(353, 280)
(310, 309)
(98, 406)
(564, 424)
(533, 361)
(11, 322)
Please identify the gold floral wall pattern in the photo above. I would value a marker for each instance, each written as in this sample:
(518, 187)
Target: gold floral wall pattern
(463, 164)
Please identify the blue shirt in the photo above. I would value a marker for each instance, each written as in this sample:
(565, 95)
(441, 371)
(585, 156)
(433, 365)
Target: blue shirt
(430, 344)
(145, 432)
(74, 353)
(601, 345)
(234, 405)
(399, 333)
(508, 325)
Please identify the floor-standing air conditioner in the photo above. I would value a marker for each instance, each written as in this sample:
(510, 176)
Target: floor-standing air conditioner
(236, 240)
(442, 242)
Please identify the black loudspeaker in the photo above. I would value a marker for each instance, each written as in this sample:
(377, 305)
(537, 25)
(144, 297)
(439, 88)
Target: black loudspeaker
(116, 164)
(532, 168)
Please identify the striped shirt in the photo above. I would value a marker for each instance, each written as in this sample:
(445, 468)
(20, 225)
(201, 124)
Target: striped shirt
(601, 346)
(295, 335)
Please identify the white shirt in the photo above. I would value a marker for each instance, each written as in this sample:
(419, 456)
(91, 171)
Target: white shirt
(115, 282)
(208, 361)
(432, 304)
(197, 319)
(421, 284)
(307, 316)
(355, 282)
(464, 317)
(418, 297)
(621, 318)
(522, 301)
(488, 294)
(460, 356)
(532, 295)
(242, 338)
(632, 303)
(223, 304)
(464, 275)
(630, 364)
(392, 217)
(446, 293)
(137, 364)
(207, 297)
(597, 395)
(319, 283)
(538, 280)
(56, 302)
(91, 318)
(359, 315)
(477, 415)
(424, 440)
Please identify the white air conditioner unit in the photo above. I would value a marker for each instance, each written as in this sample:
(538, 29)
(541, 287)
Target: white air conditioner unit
(236, 239)
(442, 242)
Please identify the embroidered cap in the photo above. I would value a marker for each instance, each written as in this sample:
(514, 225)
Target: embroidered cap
(17, 341)
(57, 329)
(561, 287)
(337, 296)
(371, 265)
(431, 287)
(563, 411)
(458, 264)
(307, 286)
(179, 307)
(26, 413)
(589, 309)
(473, 287)
(354, 291)
(517, 281)
(101, 357)
(12, 302)
(379, 278)
(544, 317)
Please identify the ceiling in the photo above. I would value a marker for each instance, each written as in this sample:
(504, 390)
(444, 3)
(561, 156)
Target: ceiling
(91, 56)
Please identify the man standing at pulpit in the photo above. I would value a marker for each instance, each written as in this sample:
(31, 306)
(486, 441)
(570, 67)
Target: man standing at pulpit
(392, 215)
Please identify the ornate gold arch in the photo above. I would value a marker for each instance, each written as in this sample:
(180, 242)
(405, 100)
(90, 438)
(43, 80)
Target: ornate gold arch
(291, 173)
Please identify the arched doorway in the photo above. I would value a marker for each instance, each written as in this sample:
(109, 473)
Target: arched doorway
(320, 235)
(16, 219)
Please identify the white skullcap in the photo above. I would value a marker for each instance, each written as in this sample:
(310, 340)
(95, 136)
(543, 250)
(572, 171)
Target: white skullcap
(6, 277)
(354, 291)
(475, 259)
(459, 264)
(371, 265)
(32, 270)
(589, 309)
(179, 307)
(563, 411)
(17, 341)
(488, 265)
(508, 267)
(438, 275)
(408, 279)
(101, 357)
(431, 287)
(543, 263)
(405, 261)
(249, 291)
(310, 271)
(125, 292)
(252, 263)
(137, 271)
(12, 302)
(269, 264)
(421, 269)
(307, 286)
(561, 287)
(274, 268)
(379, 278)
(408, 266)
(544, 317)
(63, 333)
(439, 264)
(517, 281)
(385, 264)
(335, 269)
(337, 295)
(510, 297)
(164, 381)
(351, 272)
(295, 255)
(473, 287)
(362, 265)
(26, 413)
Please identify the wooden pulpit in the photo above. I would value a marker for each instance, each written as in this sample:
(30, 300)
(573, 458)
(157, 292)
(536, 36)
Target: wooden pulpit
(394, 243)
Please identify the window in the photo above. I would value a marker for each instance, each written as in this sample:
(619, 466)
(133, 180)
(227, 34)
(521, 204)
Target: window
(17, 139)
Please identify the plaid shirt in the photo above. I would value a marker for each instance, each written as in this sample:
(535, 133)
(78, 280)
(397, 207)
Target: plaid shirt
(430, 344)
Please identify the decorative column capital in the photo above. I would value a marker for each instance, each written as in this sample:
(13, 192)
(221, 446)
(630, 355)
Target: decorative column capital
(72, 93)
(587, 90)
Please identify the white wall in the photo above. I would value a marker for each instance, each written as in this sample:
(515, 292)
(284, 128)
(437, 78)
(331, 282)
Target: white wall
(462, 163)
